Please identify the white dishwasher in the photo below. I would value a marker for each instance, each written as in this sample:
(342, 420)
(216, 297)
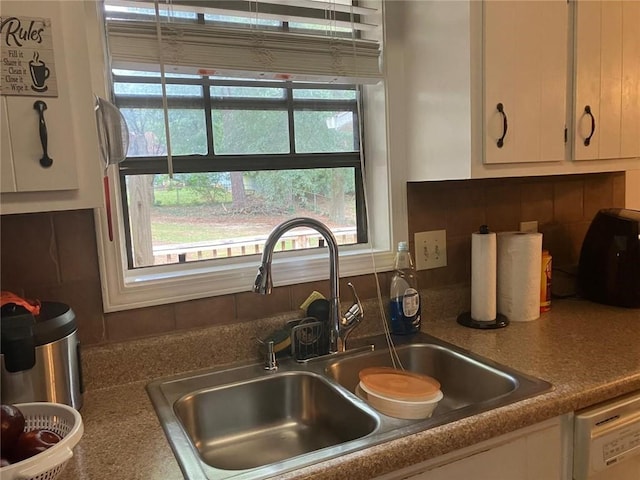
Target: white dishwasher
(607, 440)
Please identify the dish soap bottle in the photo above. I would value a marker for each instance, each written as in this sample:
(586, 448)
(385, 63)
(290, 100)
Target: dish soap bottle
(404, 296)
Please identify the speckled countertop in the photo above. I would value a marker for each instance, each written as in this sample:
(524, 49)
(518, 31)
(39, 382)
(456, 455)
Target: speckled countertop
(589, 352)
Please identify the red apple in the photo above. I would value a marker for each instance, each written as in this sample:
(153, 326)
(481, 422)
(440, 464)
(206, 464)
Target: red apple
(12, 426)
(33, 442)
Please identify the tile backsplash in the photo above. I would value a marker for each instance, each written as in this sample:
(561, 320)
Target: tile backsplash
(563, 206)
(53, 255)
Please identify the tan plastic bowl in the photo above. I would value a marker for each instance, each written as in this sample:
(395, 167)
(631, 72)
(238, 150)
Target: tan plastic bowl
(406, 409)
(399, 384)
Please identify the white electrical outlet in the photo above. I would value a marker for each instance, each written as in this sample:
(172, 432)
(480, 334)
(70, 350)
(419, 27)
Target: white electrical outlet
(529, 227)
(431, 249)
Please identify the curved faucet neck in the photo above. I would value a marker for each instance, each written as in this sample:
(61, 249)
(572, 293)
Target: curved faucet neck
(263, 283)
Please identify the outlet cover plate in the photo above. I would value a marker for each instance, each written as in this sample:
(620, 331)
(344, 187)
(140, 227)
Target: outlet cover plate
(431, 249)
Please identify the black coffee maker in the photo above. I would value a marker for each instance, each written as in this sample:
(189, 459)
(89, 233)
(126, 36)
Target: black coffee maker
(609, 269)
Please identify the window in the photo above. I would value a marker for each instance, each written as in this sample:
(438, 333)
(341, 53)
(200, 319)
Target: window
(247, 154)
(242, 154)
(263, 103)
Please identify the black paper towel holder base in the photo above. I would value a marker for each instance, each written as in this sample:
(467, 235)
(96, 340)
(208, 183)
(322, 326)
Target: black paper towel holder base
(500, 322)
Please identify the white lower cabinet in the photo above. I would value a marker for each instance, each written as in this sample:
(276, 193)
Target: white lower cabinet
(541, 451)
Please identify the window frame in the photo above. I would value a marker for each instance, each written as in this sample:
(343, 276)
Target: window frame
(385, 181)
(215, 162)
(125, 289)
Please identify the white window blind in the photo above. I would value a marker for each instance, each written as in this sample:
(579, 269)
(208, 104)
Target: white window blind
(284, 39)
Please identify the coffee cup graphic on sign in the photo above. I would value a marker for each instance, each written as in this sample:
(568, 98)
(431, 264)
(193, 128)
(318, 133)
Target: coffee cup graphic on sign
(39, 73)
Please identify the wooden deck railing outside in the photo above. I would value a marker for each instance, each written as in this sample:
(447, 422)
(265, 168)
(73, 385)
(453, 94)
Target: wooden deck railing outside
(300, 238)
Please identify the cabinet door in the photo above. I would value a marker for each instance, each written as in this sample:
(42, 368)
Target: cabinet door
(7, 174)
(534, 456)
(607, 80)
(525, 71)
(27, 150)
(20, 125)
(503, 463)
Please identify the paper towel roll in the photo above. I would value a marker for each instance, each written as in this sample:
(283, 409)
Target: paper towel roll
(519, 260)
(483, 276)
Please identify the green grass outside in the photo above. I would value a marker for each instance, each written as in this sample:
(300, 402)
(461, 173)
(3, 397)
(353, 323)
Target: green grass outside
(178, 232)
(178, 196)
(182, 233)
(170, 233)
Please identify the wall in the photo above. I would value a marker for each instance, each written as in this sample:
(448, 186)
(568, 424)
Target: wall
(53, 256)
(563, 206)
(633, 189)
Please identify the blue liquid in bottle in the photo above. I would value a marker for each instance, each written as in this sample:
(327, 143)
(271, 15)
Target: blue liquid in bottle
(404, 304)
(400, 323)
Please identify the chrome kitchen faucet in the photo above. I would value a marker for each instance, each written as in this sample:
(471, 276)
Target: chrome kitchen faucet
(339, 326)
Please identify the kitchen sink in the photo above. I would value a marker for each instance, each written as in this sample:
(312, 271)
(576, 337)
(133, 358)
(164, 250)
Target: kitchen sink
(268, 420)
(243, 422)
(463, 380)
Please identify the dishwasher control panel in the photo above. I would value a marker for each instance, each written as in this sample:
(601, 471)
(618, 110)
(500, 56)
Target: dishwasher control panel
(606, 435)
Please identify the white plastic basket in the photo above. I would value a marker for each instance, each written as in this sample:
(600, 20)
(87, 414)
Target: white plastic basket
(47, 465)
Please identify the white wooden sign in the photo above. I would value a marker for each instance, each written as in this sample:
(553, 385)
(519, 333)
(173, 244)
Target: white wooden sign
(26, 48)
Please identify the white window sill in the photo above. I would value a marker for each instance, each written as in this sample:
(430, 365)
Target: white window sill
(127, 289)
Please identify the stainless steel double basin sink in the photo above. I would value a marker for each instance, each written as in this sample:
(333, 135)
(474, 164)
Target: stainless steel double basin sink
(243, 422)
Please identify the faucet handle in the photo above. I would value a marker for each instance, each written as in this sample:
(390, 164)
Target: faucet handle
(263, 283)
(270, 362)
(354, 315)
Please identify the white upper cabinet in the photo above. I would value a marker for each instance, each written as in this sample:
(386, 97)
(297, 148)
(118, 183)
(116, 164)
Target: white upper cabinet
(525, 89)
(26, 132)
(32, 172)
(464, 61)
(7, 173)
(56, 117)
(607, 80)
